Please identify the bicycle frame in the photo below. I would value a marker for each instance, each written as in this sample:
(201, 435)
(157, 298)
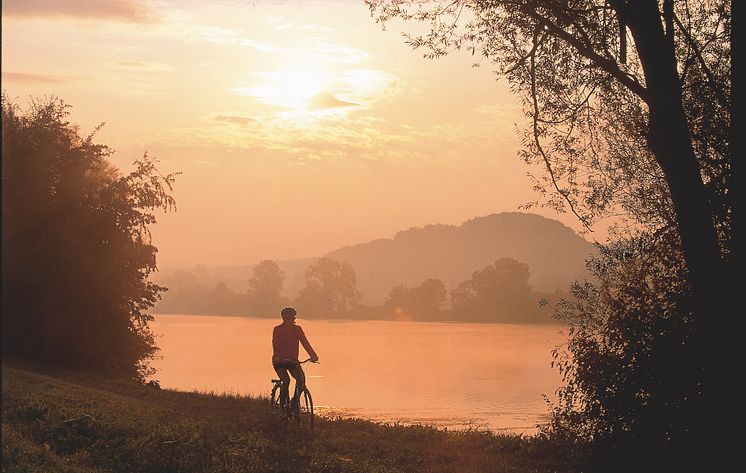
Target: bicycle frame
(301, 410)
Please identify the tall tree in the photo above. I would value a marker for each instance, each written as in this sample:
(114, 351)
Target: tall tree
(633, 381)
(77, 251)
(265, 287)
(422, 302)
(331, 289)
(628, 101)
(499, 292)
(630, 113)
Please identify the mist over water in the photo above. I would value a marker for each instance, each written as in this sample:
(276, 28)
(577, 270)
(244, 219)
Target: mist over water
(444, 374)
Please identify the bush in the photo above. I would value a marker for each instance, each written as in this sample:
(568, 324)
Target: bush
(633, 367)
(76, 247)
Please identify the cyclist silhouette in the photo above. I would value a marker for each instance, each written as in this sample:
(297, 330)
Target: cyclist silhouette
(285, 339)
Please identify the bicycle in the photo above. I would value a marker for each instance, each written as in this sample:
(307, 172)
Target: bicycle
(301, 411)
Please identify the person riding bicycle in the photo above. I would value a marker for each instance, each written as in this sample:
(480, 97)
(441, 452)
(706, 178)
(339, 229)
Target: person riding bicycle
(285, 338)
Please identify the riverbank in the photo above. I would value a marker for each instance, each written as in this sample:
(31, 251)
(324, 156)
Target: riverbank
(78, 422)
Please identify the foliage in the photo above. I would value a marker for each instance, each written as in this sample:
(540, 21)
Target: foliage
(265, 287)
(422, 302)
(331, 289)
(629, 116)
(498, 293)
(634, 367)
(221, 300)
(77, 251)
(583, 89)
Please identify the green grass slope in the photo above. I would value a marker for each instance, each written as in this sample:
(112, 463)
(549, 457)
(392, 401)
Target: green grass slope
(76, 422)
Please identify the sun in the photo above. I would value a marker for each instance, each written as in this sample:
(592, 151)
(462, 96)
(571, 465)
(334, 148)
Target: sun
(293, 86)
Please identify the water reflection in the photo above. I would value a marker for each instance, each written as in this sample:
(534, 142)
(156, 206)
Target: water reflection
(444, 374)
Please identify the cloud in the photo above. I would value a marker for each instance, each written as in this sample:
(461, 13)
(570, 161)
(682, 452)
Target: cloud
(231, 118)
(337, 53)
(328, 100)
(263, 47)
(22, 77)
(323, 138)
(135, 11)
(144, 66)
(228, 37)
(331, 132)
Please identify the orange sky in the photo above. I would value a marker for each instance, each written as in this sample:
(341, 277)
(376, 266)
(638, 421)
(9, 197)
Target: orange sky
(299, 126)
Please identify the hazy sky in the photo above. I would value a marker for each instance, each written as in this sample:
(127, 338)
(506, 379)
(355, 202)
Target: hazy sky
(299, 126)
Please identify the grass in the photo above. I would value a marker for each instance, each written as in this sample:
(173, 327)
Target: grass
(78, 422)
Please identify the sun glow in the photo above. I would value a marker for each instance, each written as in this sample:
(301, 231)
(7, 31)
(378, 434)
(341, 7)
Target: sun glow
(292, 87)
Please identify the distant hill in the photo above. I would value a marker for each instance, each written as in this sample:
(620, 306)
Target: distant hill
(554, 252)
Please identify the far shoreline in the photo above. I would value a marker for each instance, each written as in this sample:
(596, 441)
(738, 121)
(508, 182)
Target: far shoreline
(553, 322)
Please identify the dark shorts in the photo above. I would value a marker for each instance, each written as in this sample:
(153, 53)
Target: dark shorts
(284, 370)
(284, 365)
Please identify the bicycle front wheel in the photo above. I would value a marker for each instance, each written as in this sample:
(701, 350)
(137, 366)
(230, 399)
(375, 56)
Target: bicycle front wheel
(304, 414)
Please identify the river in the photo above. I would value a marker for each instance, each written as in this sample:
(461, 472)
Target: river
(488, 376)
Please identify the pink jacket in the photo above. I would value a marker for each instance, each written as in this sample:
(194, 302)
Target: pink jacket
(285, 340)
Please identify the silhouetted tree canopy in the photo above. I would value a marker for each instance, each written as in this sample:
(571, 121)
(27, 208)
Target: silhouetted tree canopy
(331, 289)
(630, 116)
(629, 105)
(632, 367)
(423, 302)
(498, 293)
(221, 300)
(265, 287)
(76, 246)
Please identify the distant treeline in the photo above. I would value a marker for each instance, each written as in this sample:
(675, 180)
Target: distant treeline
(499, 292)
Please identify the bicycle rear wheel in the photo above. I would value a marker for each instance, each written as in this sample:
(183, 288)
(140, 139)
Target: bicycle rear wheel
(274, 398)
(276, 407)
(304, 413)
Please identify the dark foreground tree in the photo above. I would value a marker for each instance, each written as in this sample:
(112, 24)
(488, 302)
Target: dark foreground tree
(76, 247)
(630, 115)
(628, 101)
(632, 375)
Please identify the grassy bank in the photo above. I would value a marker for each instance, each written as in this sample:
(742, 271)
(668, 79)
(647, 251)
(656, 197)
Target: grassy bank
(77, 422)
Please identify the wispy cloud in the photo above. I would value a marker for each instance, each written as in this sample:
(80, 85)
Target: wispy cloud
(336, 53)
(26, 78)
(135, 11)
(231, 118)
(328, 100)
(333, 133)
(280, 23)
(228, 37)
(323, 138)
(144, 66)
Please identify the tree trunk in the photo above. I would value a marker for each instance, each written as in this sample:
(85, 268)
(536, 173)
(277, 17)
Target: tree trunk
(670, 143)
(669, 140)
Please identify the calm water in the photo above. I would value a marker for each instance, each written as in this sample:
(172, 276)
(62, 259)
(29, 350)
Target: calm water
(444, 374)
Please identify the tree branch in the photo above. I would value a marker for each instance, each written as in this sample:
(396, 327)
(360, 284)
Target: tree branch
(698, 53)
(604, 63)
(537, 141)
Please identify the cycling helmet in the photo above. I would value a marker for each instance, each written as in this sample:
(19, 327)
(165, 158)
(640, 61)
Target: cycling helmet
(288, 311)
